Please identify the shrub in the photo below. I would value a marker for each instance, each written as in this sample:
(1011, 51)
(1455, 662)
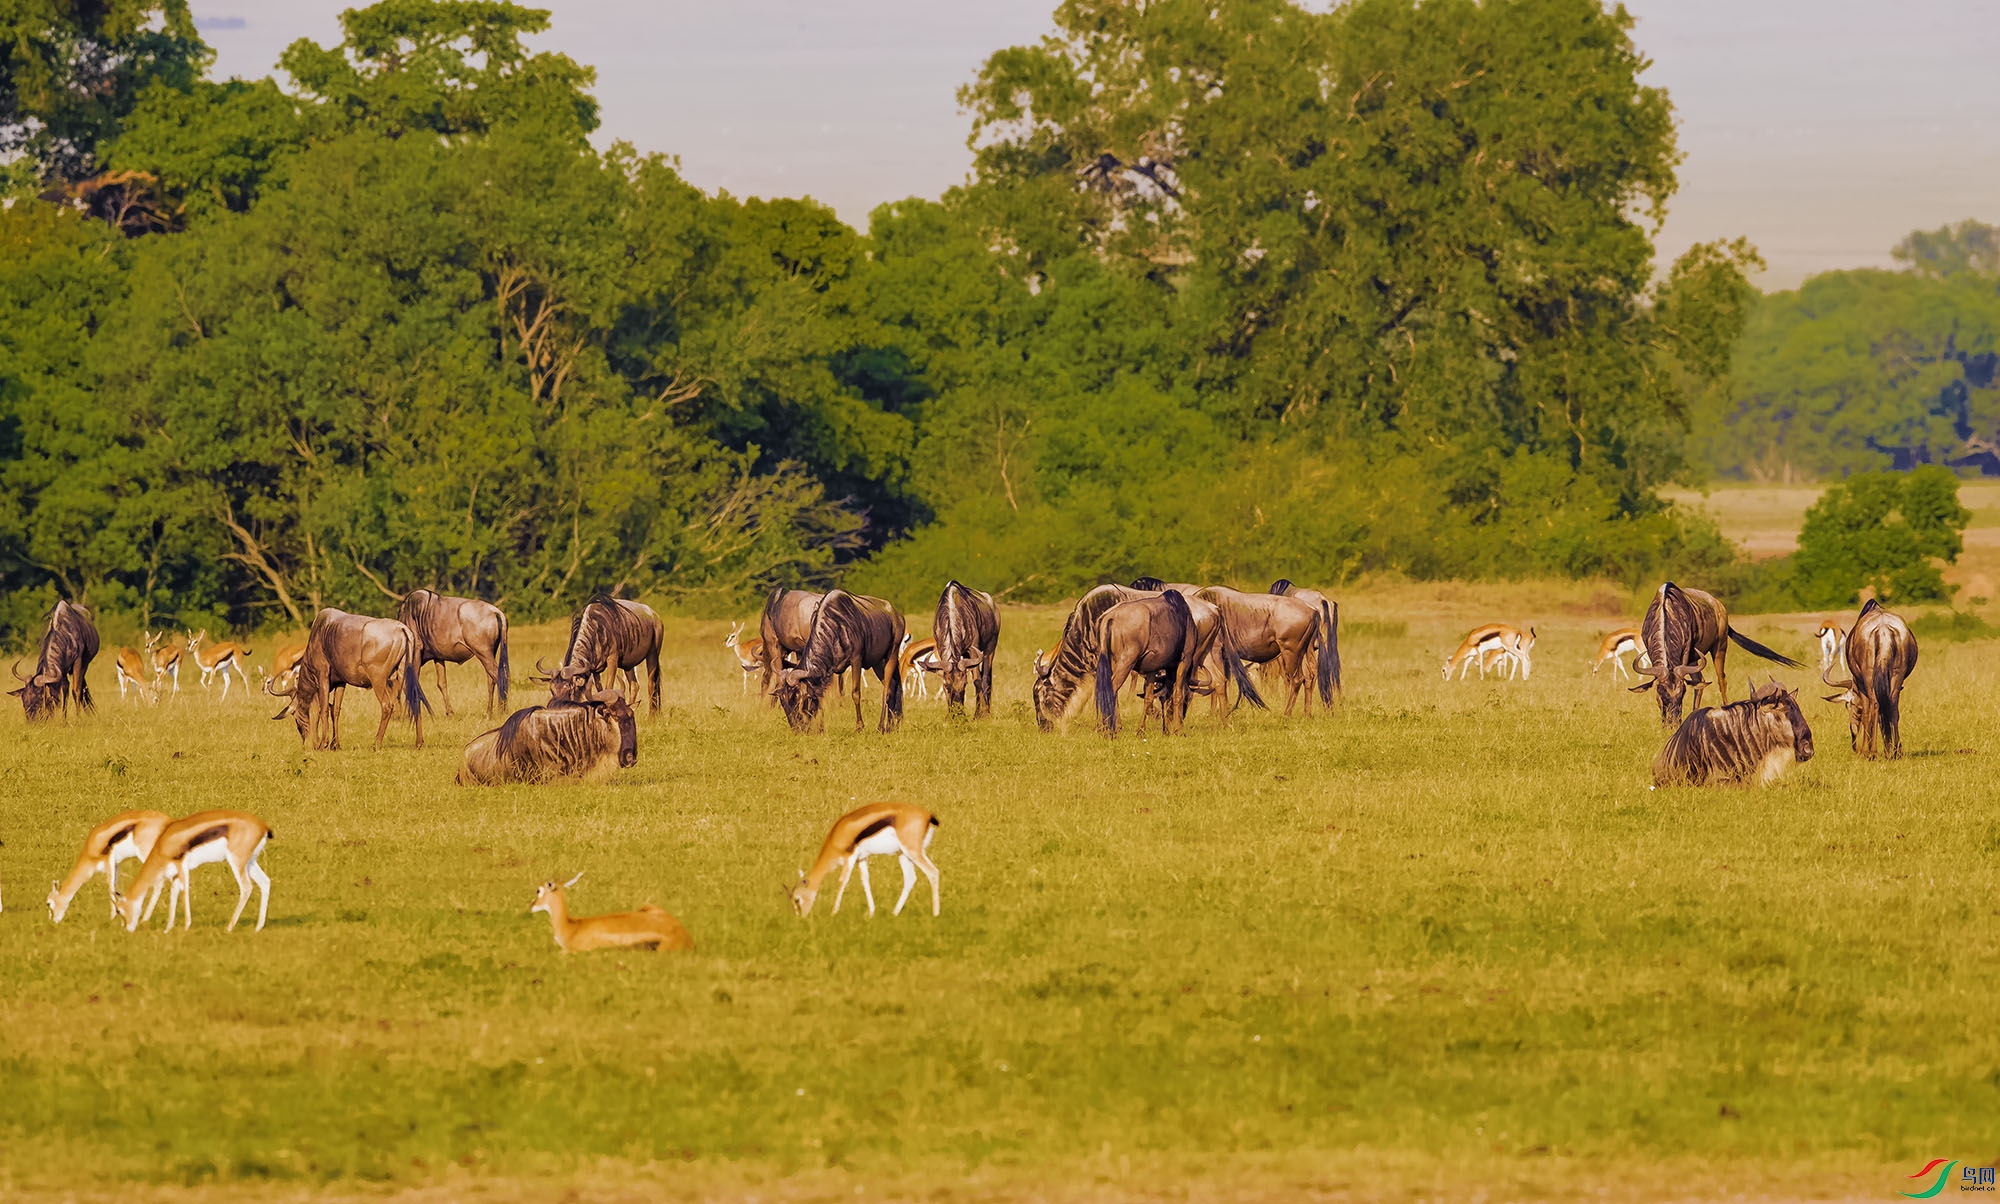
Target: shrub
(1883, 530)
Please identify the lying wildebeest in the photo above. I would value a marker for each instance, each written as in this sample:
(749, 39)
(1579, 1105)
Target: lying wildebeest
(1272, 629)
(851, 633)
(1216, 649)
(1329, 617)
(1880, 653)
(1759, 737)
(352, 650)
(1155, 638)
(588, 739)
(456, 630)
(69, 640)
(967, 630)
(785, 627)
(608, 635)
(1682, 626)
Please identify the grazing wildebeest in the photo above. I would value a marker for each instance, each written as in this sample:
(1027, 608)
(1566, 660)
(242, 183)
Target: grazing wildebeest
(352, 650)
(590, 739)
(456, 630)
(69, 641)
(785, 627)
(1758, 737)
(1215, 648)
(1060, 670)
(851, 634)
(1329, 611)
(967, 630)
(606, 636)
(1880, 654)
(1153, 637)
(1271, 629)
(1682, 626)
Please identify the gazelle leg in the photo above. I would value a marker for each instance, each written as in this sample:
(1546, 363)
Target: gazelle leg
(263, 881)
(225, 681)
(909, 881)
(929, 867)
(867, 891)
(846, 872)
(242, 898)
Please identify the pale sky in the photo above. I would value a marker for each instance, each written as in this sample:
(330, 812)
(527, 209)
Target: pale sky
(1822, 130)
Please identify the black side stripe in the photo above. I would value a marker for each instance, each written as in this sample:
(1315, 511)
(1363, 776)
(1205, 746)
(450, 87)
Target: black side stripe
(884, 822)
(204, 837)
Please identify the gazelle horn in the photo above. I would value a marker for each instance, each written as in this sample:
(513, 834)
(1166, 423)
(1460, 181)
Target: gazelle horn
(573, 881)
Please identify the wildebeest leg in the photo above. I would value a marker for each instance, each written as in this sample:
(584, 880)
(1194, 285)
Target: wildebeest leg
(446, 697)
(491, 666)
(983, 689)
(858, 671)
(332, 714)
(1218, 685)
(1722, 676)
(385, 695)
(653, 678)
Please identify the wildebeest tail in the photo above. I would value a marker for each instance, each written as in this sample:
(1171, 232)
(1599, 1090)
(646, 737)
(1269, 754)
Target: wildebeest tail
(1232, 663)
(1756, 649)
(1329, 651)
(1888, 711)
(504, 671)
(413, 688)
(1107, 698)
(1183, 683)
(892, 685)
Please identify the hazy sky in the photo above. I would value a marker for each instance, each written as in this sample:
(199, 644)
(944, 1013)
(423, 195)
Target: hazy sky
(1823, 130)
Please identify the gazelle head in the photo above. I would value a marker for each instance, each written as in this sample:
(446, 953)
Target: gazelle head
(194, 639)
(802, 897)
(59, 906)
(124, 910)
(735, 633)
(551, 896)
(152, 642)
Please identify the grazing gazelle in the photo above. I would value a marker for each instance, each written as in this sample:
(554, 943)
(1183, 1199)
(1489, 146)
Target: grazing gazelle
(917, 663)
(167, 666)
(220, 659)
(647, 928)
(126, 836)
(235, 838)
(876, 830)
(1832, 637)
(132, 664)
(1513, 647)
(1614, 648)
(749, 653)
(285, 661)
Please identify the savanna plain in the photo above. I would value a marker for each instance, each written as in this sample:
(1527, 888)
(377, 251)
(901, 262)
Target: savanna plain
(1444, 941)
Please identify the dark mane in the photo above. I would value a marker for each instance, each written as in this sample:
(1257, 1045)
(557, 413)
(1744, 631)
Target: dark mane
(835, 624)
(510, 731)
(1281, 586)
(1149, 583)
(417, 612)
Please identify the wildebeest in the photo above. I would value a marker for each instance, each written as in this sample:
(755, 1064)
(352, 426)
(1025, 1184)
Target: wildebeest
(1329, 618)
(1880, 653)
(1060, 670)
(851, 633)
(589, 738)
(967, 630)
(608, 635)
(1155, 638)
(69, 641)
(1215, 649)
(1272, 629)
(1758, 737)
(352, 650)
(456, 630)
(1682, 626)
(785, 626)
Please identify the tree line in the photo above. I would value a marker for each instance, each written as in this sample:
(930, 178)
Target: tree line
(1235, 290)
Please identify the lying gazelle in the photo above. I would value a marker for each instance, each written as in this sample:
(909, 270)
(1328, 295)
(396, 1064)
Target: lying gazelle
(1832, 639)
(220, 659)
(1614, 648)
(749, 653)
(875, 830)
(167, 665)
(647, 928)
(131, 665)
(917, 663)
(1488, 642)
(235, 838)
(126, 836)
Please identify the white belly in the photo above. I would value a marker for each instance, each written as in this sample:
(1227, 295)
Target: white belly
(207, 854)
(880, 844)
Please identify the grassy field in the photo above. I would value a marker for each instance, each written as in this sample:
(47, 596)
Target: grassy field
(1444, 939)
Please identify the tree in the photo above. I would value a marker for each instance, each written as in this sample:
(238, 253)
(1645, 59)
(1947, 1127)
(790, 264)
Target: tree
(1882, 531)
(1968, 248)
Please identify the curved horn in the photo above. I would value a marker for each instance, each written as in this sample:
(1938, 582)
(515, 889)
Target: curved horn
(1838, 685)
(573, 881)
(270, 683)
(16, 670)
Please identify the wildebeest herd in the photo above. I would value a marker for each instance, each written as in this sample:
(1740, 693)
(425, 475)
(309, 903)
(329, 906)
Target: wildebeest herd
(1175, 640)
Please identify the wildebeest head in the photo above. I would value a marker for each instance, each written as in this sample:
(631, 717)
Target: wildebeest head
(611, 705)
(41, 694)
(1049, 705)
(1778, 714)
(566, 683)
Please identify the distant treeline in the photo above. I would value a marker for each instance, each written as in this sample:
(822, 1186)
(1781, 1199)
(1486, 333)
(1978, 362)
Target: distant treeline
(1236, 290)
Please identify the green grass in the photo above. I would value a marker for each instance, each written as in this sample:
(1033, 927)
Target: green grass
(1445, 935)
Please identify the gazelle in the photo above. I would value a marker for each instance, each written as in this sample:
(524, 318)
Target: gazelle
(1614, 648)
(285, 661)
(126, 836)
(132, 665)
(220, 659)
(1832, 636)
(1514, 650)
(876, 830)
(749, 653)
(649, 927)
(917, 664)
(235, 838)
(167, 665)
